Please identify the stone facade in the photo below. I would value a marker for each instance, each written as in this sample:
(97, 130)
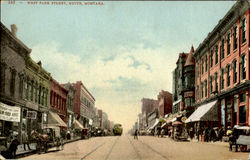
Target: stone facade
(222, 67)
(13, 56)
(36, 94)
(179, 83)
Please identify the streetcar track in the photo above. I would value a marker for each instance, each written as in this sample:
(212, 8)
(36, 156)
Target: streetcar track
(112, 148)
(154, 150)
(136, 151)
(92, 151)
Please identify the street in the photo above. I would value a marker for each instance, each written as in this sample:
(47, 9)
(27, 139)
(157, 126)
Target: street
(146, 147)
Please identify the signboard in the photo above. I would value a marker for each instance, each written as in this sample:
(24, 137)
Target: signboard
(31, 114)
(189, 94)
(183, 119)
(10, 113)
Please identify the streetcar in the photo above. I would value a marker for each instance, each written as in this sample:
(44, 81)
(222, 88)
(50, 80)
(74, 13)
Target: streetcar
(117, 130)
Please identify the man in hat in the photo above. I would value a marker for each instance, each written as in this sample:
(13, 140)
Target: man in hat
(13, 146)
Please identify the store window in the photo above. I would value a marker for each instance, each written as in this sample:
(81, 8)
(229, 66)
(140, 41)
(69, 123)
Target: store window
(242, 112)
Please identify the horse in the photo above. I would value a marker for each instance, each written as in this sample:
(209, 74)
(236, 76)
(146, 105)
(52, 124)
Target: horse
(41, 140)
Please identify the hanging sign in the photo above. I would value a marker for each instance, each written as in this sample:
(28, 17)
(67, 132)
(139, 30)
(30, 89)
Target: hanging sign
(31, 114)
(10, 113)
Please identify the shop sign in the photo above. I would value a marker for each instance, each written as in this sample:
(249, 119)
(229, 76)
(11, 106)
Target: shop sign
(189, 94)
(10, 113)
(183, 119)
(31, 114)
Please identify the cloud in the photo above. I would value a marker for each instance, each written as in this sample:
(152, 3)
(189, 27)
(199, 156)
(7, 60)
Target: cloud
(119, 81)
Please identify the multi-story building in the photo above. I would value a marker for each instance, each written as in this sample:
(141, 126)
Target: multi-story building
(222, 67)
(13, 56)
(178, 83)
(84, 104)
(188, 90)
(152, 117)
(105, 120)
(37, 96)
(165, 103)
(148, 105)
(58, 104)
(100, 119)
(183, 83)
(70, 106)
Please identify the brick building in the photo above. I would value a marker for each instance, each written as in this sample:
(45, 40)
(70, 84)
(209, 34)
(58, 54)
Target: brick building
(13, 57)
(222, 67)
(165, 103)
(84, 104)
(58, 102)
(148, 105)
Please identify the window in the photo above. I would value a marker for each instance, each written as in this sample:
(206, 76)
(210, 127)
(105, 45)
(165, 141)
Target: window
(31, 90)
(26, 89)
(197, 93)
(216, 81)
(242, 113)
(12, 81)
(39, 95)
(235, 71)
(228, 75)
(42, 100)
(202, 66)
(216, 54)
(243, 97)
(228, 43)
(2, 77)
(243, 70)
(244, 30)
(36, 91)
(205, 63)
(202, 94)
(211, 58)
(46, 97)
(205, 88)
(211, 84)
(20, 86)
(189, 101)
(222, 49)
(222, 78)
(235, 38)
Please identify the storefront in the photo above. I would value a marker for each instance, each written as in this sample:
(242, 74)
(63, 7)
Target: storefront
(9, 119)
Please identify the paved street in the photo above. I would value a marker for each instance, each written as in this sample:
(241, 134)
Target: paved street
(147, 147)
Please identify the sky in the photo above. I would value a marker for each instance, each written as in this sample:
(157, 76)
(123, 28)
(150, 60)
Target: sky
(121, 51)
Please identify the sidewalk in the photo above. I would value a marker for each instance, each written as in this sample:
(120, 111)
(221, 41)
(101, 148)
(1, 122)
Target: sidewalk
(20, 150)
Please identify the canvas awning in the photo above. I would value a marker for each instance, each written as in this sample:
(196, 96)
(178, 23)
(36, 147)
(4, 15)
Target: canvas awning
(163, 125)
(55, 120)
(206, 112)
(155, 124)
(78, 124)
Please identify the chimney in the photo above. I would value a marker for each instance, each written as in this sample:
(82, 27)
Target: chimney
(39, 63)
(13, 29)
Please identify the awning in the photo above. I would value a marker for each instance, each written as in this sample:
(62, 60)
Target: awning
(174, 119)
(164, 124)
(55, 120)
(176, 102)
(156, 123)
(206, 112)
(78, 124)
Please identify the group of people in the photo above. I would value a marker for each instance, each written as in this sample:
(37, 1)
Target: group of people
(210, 134)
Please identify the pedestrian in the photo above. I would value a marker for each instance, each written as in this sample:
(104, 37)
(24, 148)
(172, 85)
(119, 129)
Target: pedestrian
(136, 134)
(68, 135)
(158, 131)
(191, 133)
(220, 133)
(25, 140)
(206, 132)
(13, 146)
